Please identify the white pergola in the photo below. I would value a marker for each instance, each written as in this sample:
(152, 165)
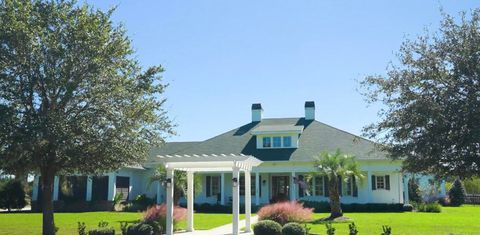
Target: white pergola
(210, 163)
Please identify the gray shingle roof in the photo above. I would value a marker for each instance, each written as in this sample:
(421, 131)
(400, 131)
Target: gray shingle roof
(316, 138)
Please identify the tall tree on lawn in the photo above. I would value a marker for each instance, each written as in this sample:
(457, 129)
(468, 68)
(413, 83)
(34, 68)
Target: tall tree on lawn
(336, 168)
(431, 114)
(73, 98)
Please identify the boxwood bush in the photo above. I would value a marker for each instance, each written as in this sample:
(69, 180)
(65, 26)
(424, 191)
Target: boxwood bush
(355, 207)
(140, 229)
(267, 227)
(293, 228)
(102, 231)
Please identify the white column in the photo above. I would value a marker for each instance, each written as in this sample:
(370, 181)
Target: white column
(159, 192)
(56, 181)
(235, 200)
(88, 197)
(222, 189)
(190, 201)
(293, 191)
(257, 188)
(405, 189)
(112, 180)
(169, 220)
(248, 200)
(35, 188)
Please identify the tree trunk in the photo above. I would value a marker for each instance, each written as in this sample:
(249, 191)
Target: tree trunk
(47, 203)
(335, 208)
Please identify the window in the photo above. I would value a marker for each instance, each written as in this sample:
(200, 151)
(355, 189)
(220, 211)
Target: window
(380, 182)
(213, 186)
(267, 142)
(318, 187)
(277, 141)
(349, 187)
(122, 185)
(287, 141)
(242, 185)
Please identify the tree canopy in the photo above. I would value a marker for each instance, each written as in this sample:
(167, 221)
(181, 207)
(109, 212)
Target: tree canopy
(431, 100)
(73, 97)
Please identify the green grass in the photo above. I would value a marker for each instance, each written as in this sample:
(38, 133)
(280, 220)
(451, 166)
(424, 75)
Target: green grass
(31, 223)
(452, 220)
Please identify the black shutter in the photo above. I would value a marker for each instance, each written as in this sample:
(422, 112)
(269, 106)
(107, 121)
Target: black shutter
(374, 183)
(325, 186)
(340, 184)
(387, 182)
(355, 188)
(209, 178)
(260, 185)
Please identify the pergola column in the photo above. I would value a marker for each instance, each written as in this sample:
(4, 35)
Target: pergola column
(169, 220)
(257, 188)
(222, 189)
(248, 200)
(235, 199)
(190, 201)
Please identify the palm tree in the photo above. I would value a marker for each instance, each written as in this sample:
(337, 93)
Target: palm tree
(179, 182)
(336, 167)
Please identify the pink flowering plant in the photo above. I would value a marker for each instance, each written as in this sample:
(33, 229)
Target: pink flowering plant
(285, 212)
(158, 213)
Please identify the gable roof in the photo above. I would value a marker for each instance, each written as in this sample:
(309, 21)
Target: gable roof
(316, 137)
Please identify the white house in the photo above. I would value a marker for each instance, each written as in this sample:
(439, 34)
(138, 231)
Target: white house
(287, 148)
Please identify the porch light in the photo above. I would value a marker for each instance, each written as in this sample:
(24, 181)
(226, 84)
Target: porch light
(264, 182)
(295, 180)
(235, 182)
(169, 182)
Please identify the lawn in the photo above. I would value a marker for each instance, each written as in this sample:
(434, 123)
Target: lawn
(31, 223)
(452, 220)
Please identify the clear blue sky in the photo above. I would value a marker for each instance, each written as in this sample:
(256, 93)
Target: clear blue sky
(222, 56)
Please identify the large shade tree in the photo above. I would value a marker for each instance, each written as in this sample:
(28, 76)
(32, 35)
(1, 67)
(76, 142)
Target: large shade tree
(337, 168)
(73, 98)
(430, 98)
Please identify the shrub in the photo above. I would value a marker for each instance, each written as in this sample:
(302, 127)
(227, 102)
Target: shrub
(284, 212)
(81, 228)
(102, 231)
(293, 228)
(407, 207)
(269, 227)
(330, 229)
(324, 206)
(428, 207)
(140, 203)
(457, 193)
(140, 229)
(352, 228)
(387, 230)
(158, 213)
(12, 195)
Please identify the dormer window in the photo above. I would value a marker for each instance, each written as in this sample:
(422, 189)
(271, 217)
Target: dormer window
(276, 142)
(277, 136)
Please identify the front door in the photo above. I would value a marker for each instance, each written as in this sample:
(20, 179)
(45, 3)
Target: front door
(280, 188)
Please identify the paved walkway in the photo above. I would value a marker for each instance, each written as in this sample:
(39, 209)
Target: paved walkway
(222, 230)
